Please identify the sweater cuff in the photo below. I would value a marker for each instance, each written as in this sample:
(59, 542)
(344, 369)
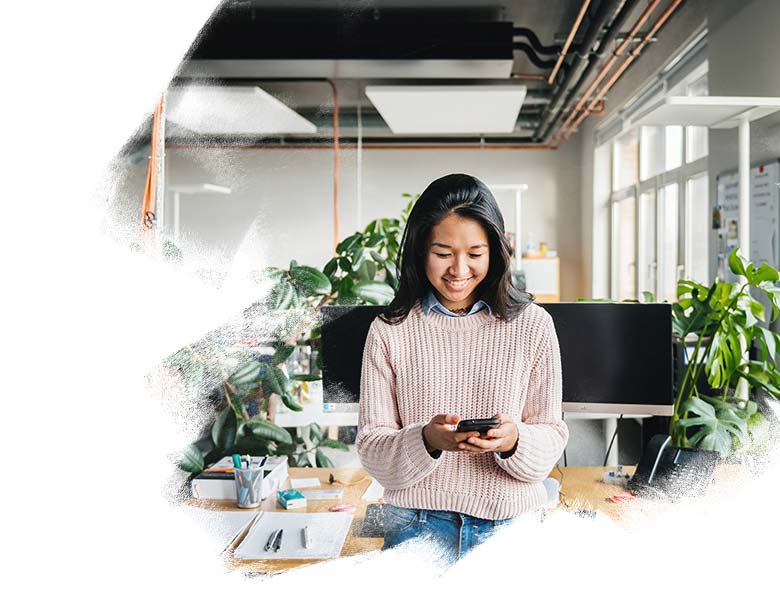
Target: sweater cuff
(416, 451)
(529, 462)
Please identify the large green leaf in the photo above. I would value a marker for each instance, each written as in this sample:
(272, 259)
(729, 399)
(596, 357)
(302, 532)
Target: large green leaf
(374, 292)
(764, 273)
(315, 433)
(305, 376)
(330, 267)
(349, 243)
(290, 402)
(267, 430)
(736, 262)
(274, 382)
(328, 443)
(322, 459)
(716, 425)
(310, 281)
(247, 373)
(223, 432)
(282, 353)
(283, 295)
(191, 459)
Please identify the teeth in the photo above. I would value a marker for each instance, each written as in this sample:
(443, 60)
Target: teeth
(457, 282)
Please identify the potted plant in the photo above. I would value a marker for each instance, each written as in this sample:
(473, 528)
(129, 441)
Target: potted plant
(731, 351)
(242, 382)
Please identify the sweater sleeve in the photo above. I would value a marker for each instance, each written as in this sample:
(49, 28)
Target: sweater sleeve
(394, 455)
(542, 432)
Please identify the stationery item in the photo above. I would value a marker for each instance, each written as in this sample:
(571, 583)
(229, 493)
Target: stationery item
(306, 532)
(271, 540)
(374, 492)
(336, 494)
(327, 532)
(278, 541)
(223, 526)
(248, 486)
(349, 508)
(306, 482)
(217, 481)
(236, 461)
(291, 498)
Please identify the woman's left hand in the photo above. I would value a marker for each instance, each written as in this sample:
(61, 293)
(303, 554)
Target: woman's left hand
(499, 439)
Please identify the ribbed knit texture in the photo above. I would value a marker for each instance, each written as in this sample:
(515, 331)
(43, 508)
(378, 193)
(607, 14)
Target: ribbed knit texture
(474, 367)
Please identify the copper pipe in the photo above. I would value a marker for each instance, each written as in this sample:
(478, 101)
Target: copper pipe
(626, 63)
(335, 164)
(608, 65)
(574, 28)
(528, 76)
(366, 147)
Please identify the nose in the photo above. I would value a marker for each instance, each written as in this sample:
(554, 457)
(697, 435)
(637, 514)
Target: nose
(459, 267)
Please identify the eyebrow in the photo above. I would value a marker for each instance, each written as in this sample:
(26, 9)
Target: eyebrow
(450, 247)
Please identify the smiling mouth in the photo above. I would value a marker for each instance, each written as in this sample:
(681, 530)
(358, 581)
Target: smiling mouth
(458, 283)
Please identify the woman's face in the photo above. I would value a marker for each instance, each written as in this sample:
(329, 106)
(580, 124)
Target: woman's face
(457, 260)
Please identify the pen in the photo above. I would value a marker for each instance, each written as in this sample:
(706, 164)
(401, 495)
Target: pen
(306, 537)
(262, 462)
(236, 461)
(271, 539)
(278, 544)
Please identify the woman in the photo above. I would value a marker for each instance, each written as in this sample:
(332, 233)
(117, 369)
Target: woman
(458, 341)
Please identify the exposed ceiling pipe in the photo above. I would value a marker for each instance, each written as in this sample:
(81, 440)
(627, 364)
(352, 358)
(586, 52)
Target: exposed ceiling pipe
(622, 68)
(574, 28)
(384, 146)
(538, 47)
(335, 164)
(566, 91)
(529, 52)
(608, 65)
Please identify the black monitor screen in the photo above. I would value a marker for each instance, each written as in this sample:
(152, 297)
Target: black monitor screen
(615, 358)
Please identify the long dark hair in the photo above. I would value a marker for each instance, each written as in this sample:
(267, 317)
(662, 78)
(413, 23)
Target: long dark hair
(467, 197)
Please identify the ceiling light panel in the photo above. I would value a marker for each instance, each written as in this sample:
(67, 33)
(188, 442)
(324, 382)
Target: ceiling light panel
(238, 110)
(448, 109)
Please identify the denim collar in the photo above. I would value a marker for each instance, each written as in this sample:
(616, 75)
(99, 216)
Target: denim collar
(431, 302)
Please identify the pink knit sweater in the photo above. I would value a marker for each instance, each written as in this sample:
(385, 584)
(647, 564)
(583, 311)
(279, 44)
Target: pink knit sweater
(474, 367)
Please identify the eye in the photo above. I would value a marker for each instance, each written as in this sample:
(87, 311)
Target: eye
(442, 255)
(475, 255)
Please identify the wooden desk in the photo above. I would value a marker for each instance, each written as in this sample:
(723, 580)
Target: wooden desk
(352, 495)
(581, 488)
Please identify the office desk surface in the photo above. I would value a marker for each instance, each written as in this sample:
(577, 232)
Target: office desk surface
(581, 488)
(355, 483)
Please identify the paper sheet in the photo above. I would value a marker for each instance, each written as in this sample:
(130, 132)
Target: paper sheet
(334, 494)
(328, 530)
(222, 525)
(374, 492)
(305, 482)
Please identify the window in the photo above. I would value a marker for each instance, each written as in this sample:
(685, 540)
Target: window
(697, 227)
(668, 238)
(624, 247)
(625, 159)
(648, 265)
(657, 204)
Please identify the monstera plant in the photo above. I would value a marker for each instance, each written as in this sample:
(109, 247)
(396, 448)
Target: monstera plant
(242, 383)
(722, 323)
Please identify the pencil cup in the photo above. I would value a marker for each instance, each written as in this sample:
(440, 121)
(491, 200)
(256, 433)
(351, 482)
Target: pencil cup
(248, 484)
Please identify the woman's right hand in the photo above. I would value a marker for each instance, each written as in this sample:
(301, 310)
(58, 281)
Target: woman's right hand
(440, 433)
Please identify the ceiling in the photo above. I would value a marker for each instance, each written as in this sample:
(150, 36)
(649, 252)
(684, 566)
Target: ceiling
(354, 44)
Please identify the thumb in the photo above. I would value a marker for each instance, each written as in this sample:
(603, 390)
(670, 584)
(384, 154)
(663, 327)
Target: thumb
(451, 419)
(440, 419)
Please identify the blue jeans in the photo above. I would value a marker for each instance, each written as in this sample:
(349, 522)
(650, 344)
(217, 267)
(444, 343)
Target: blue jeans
(455, 533)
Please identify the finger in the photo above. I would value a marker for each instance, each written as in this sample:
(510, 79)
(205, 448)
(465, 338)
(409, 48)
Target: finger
(462, 436)
(441, 418)
(483, 443)
(451, 419)
(500, 431)
(472, 448)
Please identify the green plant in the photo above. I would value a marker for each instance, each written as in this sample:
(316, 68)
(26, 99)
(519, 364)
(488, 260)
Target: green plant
(723, 321)
(362, 272)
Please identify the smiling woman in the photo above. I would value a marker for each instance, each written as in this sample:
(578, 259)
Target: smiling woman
(459, 341)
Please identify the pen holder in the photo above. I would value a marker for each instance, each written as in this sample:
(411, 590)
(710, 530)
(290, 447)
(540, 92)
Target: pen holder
(248, 486)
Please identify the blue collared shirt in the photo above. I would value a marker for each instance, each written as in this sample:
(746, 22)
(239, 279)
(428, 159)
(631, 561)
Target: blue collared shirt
(431, 302)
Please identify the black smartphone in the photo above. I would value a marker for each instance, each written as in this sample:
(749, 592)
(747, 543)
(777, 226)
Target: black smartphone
(479, 425)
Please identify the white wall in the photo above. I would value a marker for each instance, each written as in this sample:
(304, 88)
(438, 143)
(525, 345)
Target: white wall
(281, 201)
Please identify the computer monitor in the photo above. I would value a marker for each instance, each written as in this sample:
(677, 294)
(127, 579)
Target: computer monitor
(615, 358)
